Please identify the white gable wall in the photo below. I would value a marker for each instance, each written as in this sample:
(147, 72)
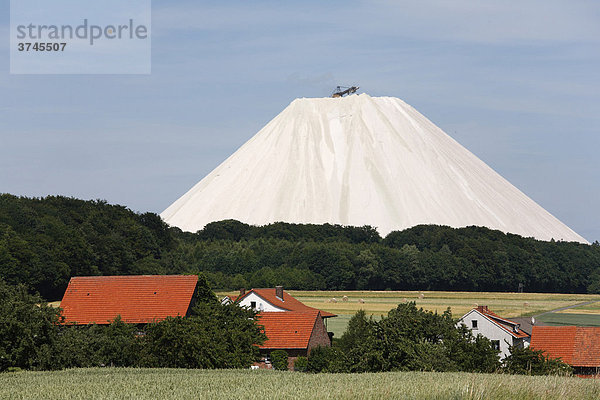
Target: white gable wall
(490, 330)
(260, 303)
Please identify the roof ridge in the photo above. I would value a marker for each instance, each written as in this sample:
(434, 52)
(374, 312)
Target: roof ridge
(495, 318)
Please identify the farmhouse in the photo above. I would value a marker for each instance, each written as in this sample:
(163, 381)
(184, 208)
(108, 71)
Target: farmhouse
(502, 332)
(577, 346)
(137, 299)
(273, 300)
(289, 324)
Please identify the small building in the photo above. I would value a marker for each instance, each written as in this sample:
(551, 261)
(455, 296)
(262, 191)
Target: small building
(288, 323)
(295, 332)
(503, 333)
(577, 346)
(137, 299)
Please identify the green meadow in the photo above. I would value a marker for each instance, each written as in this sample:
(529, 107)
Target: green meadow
(115, 383)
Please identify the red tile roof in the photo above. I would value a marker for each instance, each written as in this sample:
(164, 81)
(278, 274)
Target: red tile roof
(555, 341)
(289, 302)
(137, 299)
(576, 345)
(587, 347)
(287, 330)
(503, 323)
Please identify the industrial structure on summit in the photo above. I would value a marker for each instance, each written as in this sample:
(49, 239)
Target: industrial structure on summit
(341, 91)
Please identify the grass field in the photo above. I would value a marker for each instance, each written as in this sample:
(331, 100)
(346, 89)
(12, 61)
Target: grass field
(379, 303)
(114, 383)
(570, 319)
(593, 308)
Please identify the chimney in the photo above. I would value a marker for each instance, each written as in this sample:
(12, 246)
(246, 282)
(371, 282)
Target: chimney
(279, 292)
(482, 308)
(242, 291)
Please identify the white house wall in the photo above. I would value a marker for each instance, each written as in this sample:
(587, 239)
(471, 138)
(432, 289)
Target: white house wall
(261, 304)
(488, 329)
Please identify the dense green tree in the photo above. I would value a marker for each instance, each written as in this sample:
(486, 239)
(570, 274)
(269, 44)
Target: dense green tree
(116, 345)
(526, 361)
(45, 241)
(411, 339)
(215, 336)
(28, 329)
(327, 359)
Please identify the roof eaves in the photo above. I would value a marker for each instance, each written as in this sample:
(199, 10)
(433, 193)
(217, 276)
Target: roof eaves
(512, 333)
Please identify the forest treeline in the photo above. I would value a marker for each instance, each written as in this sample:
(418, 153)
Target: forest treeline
(45, 241)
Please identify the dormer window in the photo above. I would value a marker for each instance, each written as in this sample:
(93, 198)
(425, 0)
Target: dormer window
(474, 324)
(253, 305)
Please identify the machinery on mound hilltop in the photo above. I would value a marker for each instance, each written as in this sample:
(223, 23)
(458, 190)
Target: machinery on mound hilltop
(342, 91)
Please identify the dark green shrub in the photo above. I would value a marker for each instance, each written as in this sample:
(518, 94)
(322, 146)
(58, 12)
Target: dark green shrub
(301, 364)
(215, 336)
(327, 359)
(527, 361)
(113, 345)
(279, 360)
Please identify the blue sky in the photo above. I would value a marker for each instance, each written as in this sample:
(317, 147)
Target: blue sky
(517, 83)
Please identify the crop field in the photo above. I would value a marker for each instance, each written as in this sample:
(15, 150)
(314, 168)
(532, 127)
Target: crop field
(120, 383)
(591, 309)
(378, 303)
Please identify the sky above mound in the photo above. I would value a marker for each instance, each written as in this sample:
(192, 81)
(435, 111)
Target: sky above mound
(517, 86)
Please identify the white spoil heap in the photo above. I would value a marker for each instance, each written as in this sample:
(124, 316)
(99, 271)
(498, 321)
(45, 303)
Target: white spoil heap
(360, 160)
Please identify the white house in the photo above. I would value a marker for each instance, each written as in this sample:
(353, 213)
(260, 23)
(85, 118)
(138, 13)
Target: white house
(502, 332)
(258, 300)
(271, 300)
(288, 323)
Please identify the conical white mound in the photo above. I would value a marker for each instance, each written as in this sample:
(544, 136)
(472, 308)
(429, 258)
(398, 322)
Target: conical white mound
(360, 160)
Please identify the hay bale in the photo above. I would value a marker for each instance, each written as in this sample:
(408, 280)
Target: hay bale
(421, 296)
(361, 301)
(345, 298)
(334, 300)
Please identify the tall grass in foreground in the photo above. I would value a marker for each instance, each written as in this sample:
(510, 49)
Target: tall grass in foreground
(113, 383)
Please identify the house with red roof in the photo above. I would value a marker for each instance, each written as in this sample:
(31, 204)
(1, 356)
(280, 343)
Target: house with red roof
(138, 299)
(502, 332)
(288, 323)
(273, 300)
(577, 346)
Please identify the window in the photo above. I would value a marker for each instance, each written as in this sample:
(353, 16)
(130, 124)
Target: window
(474, 324)
(253, 304)
(496, 345)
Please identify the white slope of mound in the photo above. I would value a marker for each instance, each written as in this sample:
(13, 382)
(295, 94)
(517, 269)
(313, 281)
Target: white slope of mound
(360, 160)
